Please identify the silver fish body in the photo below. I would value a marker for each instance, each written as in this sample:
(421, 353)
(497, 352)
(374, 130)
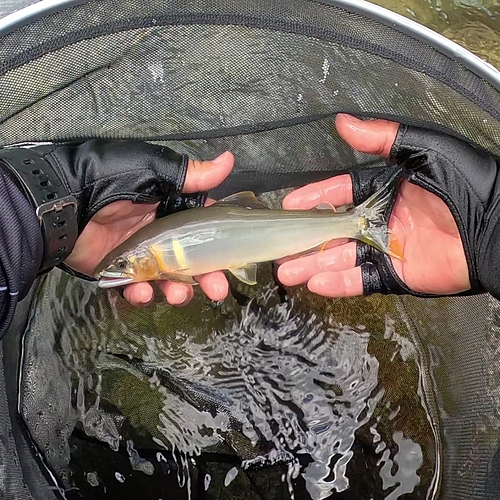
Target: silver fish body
(234, 235)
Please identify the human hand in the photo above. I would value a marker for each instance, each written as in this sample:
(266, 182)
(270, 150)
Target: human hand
(117, 221)
(119, 187)
(433, 246)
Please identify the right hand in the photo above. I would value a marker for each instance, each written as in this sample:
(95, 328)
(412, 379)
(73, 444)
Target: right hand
(115, 222)
(445, 254)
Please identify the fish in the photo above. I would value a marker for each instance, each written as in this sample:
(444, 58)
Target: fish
(238, 232)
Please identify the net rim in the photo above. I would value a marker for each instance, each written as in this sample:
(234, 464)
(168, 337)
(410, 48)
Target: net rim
(34, 12)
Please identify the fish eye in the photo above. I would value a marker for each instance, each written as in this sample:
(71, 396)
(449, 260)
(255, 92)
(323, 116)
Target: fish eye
(121, 264)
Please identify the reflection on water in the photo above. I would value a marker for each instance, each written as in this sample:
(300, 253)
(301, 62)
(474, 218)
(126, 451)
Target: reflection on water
(473, 24)
(251, 400)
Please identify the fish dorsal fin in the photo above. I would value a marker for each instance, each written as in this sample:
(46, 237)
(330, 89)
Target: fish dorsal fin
(247, 274)
(245, 199)
(325, 206)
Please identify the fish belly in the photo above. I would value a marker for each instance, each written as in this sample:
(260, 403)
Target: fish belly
(236, 245)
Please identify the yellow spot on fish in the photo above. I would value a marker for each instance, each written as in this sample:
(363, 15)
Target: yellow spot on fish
(179, 253)
(363, 223)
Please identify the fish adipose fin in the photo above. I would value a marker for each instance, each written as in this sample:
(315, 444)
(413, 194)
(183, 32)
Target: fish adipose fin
(245, 199)
(247, 274)
(374, 216)
(325, 206)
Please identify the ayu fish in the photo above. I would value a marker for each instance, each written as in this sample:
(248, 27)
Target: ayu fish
(238, 232)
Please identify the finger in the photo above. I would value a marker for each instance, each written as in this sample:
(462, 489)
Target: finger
(206, 175)
(177, 294)
(367, 136)
(336, 190)
(346, 283)
(139, 294)
(300, 271)
(214, 285)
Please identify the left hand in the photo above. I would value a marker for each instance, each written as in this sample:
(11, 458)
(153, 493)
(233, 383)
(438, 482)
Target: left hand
(117, 221)
(435, 262)
(118, 186)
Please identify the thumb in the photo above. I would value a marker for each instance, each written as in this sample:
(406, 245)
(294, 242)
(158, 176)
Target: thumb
(367, 136)
(206, 175)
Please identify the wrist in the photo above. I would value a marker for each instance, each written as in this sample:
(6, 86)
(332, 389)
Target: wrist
(54, 207)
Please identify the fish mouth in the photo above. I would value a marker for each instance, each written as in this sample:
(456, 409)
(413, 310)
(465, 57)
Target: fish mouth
(110, 279)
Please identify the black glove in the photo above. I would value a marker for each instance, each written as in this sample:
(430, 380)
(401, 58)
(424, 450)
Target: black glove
(49, 193)
(466, 179)
(89, 176)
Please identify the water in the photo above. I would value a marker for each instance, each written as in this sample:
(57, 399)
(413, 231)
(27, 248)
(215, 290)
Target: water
(473, 24)
(225, 398)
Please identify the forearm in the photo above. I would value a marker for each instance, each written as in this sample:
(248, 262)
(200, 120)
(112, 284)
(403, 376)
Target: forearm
(21, 249)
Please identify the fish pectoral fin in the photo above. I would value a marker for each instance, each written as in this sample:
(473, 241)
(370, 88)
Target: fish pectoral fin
(178, 278)
(247, 274)
(243, 199)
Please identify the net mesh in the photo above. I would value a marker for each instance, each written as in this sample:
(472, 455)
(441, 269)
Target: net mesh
(376, 397)
(123, 68)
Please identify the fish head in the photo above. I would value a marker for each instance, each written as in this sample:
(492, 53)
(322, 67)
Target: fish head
(126, 268)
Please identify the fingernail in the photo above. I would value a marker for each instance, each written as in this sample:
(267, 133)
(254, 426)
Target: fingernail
(315, 287)
(317, 282)
(349, 118)
(221, 158)
(219, 287)
(291, 273)
(183, 298)
(290, 203)
(145, 296)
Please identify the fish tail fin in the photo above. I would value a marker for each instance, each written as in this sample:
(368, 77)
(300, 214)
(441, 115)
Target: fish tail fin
(373, 217)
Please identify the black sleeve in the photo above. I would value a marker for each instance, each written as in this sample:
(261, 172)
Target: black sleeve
(21, 249)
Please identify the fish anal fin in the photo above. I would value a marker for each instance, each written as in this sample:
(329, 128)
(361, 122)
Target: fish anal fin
(325, 206)
(245, 199)
(314, 250)
(246, 274)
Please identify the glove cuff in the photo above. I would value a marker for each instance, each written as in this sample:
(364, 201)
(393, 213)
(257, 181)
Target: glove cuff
(55, 208)
(378, 274)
